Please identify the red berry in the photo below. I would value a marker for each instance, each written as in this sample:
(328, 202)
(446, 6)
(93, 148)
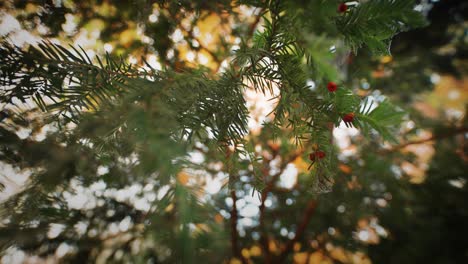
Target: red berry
(348, 118)
(342, 8)
(320, 154)
(312, 156)
(331, 86)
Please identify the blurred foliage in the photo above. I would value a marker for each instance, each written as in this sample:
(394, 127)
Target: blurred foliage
(135, 143)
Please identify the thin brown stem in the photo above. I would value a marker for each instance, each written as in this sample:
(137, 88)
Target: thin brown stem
(456, 131)
(268, 188)
(254, 25)
(236, 252)
(311, 205)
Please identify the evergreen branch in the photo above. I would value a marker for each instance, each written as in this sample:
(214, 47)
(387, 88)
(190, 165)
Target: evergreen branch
(71, 82)
(374, 23)
(382, 118)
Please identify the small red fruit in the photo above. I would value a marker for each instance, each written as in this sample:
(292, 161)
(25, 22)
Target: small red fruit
(320, 154)
(312, 156)
(348, 118)
(316, 155)
(342, 8)
(331, 86)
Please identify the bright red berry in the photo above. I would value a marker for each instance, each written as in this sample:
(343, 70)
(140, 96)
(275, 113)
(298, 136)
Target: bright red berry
(331, 86)
(316, 155)
(348, 118)
(320, 154)
(342, 8)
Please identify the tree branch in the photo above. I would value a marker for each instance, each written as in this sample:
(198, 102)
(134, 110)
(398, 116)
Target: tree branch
(311, 205)
(269, 187)
(456, 131)
(254, 25)
(236, 252)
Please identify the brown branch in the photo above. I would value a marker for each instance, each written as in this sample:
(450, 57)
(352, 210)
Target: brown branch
(236, 252)
(254, 25)
(264, 238)
(311, 205)
(456, 131)
(269, 187)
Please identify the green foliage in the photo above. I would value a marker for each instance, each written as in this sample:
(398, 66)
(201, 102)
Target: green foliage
(383, 118)
(127, 129)
(374, 23)
(67, 79)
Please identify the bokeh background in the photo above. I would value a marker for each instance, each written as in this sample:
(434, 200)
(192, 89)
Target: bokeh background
(390, 203)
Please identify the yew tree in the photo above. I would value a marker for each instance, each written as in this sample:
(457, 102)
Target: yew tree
(243, 131)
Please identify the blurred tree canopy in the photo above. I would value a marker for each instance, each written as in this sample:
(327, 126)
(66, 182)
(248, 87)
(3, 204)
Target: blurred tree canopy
(233, 131)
